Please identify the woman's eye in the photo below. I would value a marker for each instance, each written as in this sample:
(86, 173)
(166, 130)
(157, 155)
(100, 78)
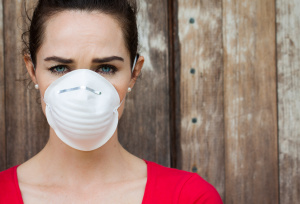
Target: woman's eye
(106, 69)
(59, 69)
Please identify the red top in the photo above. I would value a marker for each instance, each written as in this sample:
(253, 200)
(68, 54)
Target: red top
(164, 185)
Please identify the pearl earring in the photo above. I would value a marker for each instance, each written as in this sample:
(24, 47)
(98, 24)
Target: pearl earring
(36, 86)
(129, 90)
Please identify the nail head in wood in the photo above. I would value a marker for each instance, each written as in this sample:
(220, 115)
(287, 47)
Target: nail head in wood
(192, 20)
(194, 120)
(193, 71)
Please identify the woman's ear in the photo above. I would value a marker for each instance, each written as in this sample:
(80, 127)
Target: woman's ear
(136, 71)
(30, 67)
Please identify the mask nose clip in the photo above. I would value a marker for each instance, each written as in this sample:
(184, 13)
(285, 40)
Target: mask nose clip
(80, 88)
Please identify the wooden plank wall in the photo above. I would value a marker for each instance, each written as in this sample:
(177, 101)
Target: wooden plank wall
(250, 101)
(2, 96)
(288, 55)
(206, 102)
(201, 90)
(26, 127)
(144, 127)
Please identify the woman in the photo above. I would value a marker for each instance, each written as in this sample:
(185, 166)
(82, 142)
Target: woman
(82, 57)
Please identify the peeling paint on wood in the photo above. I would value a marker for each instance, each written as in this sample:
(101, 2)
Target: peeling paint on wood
(288, 74)
(149, 41)
(201, 94)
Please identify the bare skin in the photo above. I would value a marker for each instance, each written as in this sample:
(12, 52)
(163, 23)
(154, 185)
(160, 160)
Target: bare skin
(59, 173)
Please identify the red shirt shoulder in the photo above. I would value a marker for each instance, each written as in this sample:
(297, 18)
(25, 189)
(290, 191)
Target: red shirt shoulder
(9, 187)
(168, 185)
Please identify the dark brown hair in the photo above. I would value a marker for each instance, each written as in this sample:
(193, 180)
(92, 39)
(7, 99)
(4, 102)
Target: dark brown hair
(122, 10)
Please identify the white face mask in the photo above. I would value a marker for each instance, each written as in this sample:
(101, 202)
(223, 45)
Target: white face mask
(82, 108)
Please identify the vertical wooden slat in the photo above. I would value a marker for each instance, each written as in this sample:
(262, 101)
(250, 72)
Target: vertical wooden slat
(250, 101)
(201, 81)
(2, 96)
(288, 56)
(144, 128)
(14, 91)
(26, 127)
(174, 76)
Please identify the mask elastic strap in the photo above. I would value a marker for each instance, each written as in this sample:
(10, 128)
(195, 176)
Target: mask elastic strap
(134, 63)
(116, 109)
(32, 62)
(44, 100)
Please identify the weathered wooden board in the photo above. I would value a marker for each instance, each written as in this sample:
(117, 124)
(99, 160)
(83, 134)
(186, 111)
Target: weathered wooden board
(144, 128)
(250, 101)
(288, 56)
(201, 94)
(26, 129)
(2, 96)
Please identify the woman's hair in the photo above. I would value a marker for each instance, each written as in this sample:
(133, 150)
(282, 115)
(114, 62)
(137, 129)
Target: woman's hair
(122, 10)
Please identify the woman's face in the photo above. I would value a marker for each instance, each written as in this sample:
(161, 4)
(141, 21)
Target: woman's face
(83, 40)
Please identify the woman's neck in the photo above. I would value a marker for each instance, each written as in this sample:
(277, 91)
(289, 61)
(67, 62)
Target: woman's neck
(110, 163)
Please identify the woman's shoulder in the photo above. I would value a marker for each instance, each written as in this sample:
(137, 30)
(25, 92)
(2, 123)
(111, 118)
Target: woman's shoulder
(171, 185)
(9, 187)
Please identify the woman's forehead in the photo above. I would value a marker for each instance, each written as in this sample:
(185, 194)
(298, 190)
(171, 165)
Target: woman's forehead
(81, 31)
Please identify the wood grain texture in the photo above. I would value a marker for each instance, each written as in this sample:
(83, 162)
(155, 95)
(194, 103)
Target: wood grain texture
(2, 96)
(288, 56)
(201, 93)
(250, 101)
(26, 127)
(144, 127)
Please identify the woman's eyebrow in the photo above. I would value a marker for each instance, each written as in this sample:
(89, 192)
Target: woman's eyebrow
(107, 59)
(59, 59)
(96, 60)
